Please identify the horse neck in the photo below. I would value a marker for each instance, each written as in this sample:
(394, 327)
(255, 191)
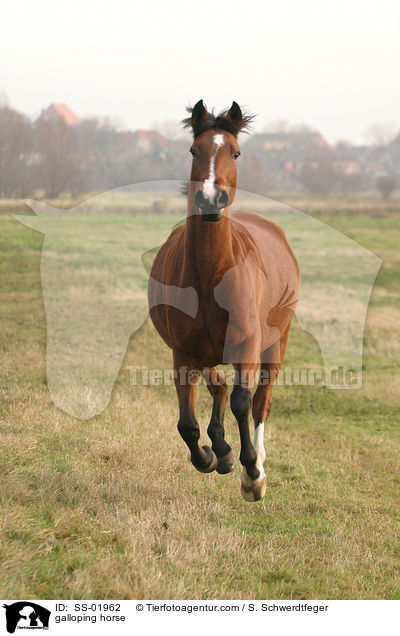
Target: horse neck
(208, 246)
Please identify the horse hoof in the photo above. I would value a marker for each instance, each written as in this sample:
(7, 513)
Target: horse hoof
(213, 461)
(226, 464)
(255, 491)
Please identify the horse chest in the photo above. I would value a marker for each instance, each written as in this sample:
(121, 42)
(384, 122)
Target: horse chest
(202, 338)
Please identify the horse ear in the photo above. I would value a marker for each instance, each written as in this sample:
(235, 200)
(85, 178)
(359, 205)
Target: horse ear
(235, 115)
(199, 116)
(199, 112)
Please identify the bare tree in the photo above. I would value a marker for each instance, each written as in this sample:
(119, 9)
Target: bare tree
(385, 184)
(381, 133)
(3, 99)
(171, 129)
(60, 168)
(16, 153)
(319, 176)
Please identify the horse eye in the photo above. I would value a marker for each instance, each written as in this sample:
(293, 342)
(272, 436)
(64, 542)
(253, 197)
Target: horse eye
(236, 155)
(192, 152)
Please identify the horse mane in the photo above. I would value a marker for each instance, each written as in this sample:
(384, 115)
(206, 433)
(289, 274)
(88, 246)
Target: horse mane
(184, 188)
(217, 122)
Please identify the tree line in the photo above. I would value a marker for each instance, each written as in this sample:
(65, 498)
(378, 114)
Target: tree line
(50, 157)
(47, 158)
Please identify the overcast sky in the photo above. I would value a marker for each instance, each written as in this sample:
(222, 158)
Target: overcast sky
(333, 64)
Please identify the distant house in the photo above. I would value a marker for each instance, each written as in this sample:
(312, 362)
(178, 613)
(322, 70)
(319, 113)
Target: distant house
(379, 161)
(147, 140)
(350, 160)
(56, 113)
(283, 154)
(277, 148)
(148, 144)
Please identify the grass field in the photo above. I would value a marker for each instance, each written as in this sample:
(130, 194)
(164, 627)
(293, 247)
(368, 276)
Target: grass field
(112, 508)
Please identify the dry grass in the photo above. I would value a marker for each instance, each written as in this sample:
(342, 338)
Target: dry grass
(112, 508)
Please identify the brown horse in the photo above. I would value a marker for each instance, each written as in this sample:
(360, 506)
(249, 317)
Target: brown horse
(246, 279)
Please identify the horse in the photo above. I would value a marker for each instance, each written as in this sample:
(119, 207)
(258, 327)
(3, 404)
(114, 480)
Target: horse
(247, 279)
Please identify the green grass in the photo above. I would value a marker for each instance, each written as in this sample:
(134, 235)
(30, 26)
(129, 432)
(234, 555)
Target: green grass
(112, 508)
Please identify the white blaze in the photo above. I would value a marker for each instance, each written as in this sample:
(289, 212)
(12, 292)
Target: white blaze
(209, 184)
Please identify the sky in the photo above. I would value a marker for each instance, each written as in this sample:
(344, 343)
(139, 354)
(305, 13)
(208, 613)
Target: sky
(333, 65)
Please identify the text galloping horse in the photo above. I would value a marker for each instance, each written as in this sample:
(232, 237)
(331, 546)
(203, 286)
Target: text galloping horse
(247, 281)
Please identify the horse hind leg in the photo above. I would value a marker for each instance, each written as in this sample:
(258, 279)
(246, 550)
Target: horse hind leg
(254, 489)
(253, 478)
(271, 363)
(218, 388)
(253, 486)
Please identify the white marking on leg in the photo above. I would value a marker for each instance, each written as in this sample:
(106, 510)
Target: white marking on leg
(209, 183)
(250, 484)
(258, 444)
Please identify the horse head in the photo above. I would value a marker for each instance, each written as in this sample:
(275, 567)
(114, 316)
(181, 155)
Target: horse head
(215, 151)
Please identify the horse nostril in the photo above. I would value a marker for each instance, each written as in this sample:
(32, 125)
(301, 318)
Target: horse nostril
(222, 199)
(199, 199)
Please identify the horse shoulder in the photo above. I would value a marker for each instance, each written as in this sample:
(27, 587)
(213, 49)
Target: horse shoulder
(164, 267)
(267, 235)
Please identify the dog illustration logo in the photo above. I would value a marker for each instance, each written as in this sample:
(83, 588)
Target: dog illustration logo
(26, 615)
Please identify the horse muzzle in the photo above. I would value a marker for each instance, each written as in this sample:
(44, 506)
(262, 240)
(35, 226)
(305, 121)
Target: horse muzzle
(211, 209)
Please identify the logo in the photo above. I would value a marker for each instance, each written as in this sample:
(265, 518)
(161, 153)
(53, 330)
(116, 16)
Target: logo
(26, 615)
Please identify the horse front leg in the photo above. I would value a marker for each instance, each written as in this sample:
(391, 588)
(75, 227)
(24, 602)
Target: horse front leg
(187, 380)
(253, 482)
(218, 388)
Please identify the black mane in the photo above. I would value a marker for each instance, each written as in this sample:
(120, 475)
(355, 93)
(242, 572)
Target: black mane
(217, 122)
